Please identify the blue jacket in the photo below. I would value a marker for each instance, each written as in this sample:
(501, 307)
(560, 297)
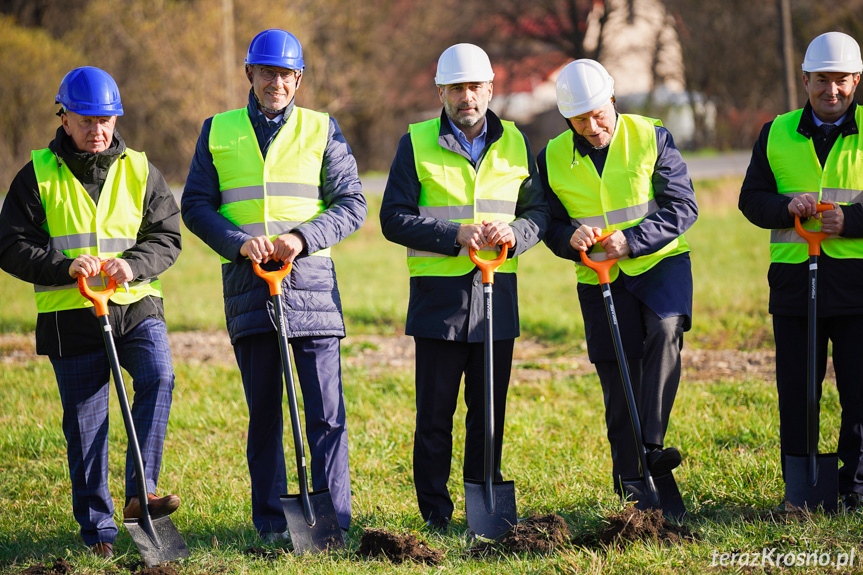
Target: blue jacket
(310, 292)
(667, 287)
(451, 308)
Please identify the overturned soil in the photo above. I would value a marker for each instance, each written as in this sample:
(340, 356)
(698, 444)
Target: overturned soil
(536, 534)
(532, 361)
(632, 524)
(397, 548)
(60, 567)
(160, 570)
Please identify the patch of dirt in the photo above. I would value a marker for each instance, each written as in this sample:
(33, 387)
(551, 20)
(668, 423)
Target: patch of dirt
(397, 548)
(160, 570)
(533, 360)
(632, 524)
(60, 567)
(536, 534)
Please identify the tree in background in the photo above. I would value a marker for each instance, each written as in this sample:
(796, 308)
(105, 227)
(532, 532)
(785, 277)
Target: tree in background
(32, 64)
(732, 55)
(371, 64)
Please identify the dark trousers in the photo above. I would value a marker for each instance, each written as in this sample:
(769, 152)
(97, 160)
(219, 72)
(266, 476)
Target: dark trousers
(655, 379)
(439, 368)
(318, 365)
(85, 390)
(791, 335)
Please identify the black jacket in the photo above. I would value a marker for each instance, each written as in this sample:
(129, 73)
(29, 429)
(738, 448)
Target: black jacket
(25, 253)
(840, 281)
(451, 308)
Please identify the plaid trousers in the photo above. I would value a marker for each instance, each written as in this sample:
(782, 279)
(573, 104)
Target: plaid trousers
(84, 383)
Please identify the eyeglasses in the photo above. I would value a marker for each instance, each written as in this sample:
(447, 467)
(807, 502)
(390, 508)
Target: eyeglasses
(269, 74)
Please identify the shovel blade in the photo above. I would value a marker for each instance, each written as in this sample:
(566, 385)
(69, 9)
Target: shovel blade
(825, 492)
(479, 520)
(324, 535)
(670, 501)
(172, 545)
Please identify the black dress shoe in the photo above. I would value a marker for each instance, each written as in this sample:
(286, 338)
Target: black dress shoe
(851, 502)
(661, 461)
(438, 524)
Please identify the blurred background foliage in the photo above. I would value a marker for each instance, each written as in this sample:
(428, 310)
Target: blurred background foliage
(370, 64)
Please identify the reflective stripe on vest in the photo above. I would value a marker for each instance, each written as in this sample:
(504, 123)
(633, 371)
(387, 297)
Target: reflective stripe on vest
(77, 225)
(797, 171)
(452, 189)
(620, 198)
(272, 197)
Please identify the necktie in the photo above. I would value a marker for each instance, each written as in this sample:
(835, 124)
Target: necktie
(827, 129)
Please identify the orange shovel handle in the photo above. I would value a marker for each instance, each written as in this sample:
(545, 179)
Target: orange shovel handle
(99, 298)
(813, 238)
(273, 278)
(603, 268)
(488, 266)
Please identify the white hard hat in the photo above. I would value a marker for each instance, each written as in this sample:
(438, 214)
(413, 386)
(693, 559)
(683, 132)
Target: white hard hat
(463, 63)
(833, 52)
(582, 86)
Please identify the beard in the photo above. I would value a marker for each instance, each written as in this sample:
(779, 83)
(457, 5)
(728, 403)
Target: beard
(452, 112)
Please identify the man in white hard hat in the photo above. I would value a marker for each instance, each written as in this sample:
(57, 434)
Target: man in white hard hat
(801, 158)
(622, 172)
(463, 180)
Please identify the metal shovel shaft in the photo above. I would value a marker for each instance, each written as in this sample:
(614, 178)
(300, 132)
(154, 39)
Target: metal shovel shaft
(627, 387)
(134, 447)
(812, 430)
(489, 400)
(294, 409)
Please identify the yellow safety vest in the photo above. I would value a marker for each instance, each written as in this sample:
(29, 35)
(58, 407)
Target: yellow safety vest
(452, 189)
(797, 171)
(272, 197)
(77, 225)
(620, 198)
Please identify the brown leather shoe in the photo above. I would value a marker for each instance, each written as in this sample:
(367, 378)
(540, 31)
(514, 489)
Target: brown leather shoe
(158, 506)
(102, 549)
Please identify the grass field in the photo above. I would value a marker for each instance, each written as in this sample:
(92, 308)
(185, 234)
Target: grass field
(555, 448)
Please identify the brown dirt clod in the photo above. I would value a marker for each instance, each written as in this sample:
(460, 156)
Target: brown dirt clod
(60, 567)
(160, 570)
(397, 548)
(536, 534)
(632, 524)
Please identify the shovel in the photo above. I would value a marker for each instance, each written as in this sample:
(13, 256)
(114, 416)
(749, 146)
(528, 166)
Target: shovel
(157, 540)
(311, 517)
(489, 504)
(648, 491)
(812, 480)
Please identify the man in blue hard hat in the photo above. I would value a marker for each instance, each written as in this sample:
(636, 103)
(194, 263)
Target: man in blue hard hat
(84, 200)
(274, 181)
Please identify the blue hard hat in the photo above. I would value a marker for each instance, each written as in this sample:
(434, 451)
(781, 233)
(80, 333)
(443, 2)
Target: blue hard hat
(276, 48)
(90, 91)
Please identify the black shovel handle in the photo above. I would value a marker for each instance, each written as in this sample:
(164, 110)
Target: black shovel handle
(488, 267)
(814, 239)
(274, 281)
(602, 268)
(100, 300)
